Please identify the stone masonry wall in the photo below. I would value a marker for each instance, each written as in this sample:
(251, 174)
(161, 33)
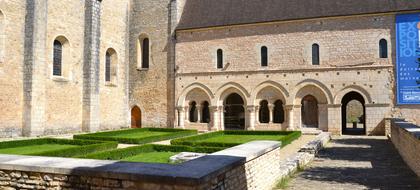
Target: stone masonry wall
(11, 68)
(406, 138)
(151, 89)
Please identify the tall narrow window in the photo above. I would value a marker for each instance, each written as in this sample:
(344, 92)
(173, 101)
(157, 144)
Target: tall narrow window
(108, 67)
(264, 56)
(57, 58)
(145, 53)
(264, 113)
(383, 48)
(220, 59)
(315, 54)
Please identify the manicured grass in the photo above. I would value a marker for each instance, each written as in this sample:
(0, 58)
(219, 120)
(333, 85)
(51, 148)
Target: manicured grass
(138, 136)
(35, 149)
(242, 138)
(150, 153)
(233, 138)
(55, 147)
(151, 157)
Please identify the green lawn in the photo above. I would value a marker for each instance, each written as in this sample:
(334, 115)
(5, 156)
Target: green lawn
(151, 157)
(241, 138)
(136, 134)
(35, 149)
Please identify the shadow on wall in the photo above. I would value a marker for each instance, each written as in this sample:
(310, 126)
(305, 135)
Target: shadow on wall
(378, 130)
(374, 162)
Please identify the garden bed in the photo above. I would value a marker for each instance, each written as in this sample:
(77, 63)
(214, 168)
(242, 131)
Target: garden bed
(150, 153)
(138, 136)
(233, 138)
(54, 147)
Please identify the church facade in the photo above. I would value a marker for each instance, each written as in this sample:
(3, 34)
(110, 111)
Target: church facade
(69, 66)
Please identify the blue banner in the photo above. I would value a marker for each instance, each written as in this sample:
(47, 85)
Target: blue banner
(408, 57)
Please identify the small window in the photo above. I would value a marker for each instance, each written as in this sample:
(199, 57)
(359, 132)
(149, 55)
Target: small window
(264, 56)
(108, 67)
(315, 54)
(145, 53)
(220, 59)
(57, 58)
(383, 48)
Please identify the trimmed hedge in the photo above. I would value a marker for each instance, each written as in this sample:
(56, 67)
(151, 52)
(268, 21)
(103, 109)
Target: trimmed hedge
(119, 154)
(84, 146)
(194, 140)
(106, 136)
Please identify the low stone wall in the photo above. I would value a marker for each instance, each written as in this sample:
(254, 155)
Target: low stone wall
(406, 138)
(252, 165)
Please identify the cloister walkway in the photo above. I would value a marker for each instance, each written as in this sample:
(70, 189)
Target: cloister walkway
(357, 162)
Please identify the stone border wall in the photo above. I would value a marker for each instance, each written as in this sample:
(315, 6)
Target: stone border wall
(248, 166)
(406, 138)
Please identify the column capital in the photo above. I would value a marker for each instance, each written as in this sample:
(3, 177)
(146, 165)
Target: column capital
(251, 108)
(181, 108)
(289, 107)
(270, 106)
(215, 108)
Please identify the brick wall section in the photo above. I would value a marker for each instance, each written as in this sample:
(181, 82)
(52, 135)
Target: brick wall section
(406, 138)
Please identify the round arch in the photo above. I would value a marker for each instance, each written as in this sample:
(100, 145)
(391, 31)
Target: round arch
(345, 101)
(194, 87)
(323, 95)
(275, 89)
(364, 93)
(227, 89)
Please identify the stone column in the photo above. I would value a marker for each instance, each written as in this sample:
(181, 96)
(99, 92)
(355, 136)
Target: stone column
(271, 112)
(187, 114)
(34, 67)
(198, 113)
(90, 120)
(323, 117)
(251, 117)
(181, 117)
(289, 112)
(257, 114)
(214, 118)
(222, 117)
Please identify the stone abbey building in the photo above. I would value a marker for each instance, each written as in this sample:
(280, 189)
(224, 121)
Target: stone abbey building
(87, 65)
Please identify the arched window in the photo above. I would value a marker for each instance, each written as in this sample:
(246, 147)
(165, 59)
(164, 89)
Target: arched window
(264, 113)
(111, 62)
(57, 58)
(193, 112)
(278, 113)
(143, 52)
(2, 37)
(264, 56)
(220, 59)
(315, 54)
(108, 67)
(205, 113)
(383, 48)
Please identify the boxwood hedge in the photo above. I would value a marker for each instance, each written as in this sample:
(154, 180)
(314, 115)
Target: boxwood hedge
(107, 136)
(119, 154)
(85, 146)
(194, 140)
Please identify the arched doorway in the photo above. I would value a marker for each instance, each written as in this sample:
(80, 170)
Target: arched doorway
(353, 114)
(234, 112)
(309, 112)
(135, 117)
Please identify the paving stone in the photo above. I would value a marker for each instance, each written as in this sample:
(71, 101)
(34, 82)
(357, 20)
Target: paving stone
(357, 162)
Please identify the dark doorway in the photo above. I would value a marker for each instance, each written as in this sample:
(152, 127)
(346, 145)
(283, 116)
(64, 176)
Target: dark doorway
(234, 112)
(309, 112)
(135, 117)
(353, 114)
